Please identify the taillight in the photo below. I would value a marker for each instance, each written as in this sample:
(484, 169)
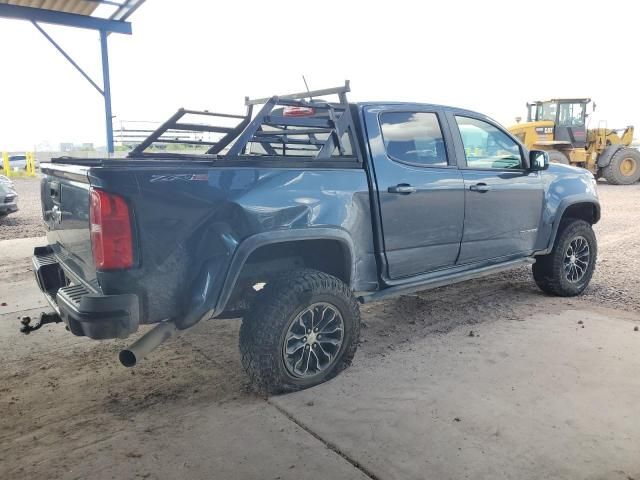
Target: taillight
(298, 112)
(111, 239)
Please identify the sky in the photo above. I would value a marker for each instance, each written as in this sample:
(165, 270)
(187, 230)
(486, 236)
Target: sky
(489, 56)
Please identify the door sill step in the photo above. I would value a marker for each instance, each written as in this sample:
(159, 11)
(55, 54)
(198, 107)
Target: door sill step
(441, 281)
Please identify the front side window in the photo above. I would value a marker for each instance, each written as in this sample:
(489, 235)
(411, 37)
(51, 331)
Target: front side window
(486, 146)
(547, 111)
(413, 137)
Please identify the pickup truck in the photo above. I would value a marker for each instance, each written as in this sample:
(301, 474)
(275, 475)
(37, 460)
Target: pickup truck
(293, 214)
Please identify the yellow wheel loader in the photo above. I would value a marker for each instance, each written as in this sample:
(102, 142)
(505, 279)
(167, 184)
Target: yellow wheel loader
(558, 126)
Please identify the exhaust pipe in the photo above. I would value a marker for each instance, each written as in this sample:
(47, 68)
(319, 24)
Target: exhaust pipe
(150, 340)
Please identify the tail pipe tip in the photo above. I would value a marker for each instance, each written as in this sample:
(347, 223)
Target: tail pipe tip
(129, 357)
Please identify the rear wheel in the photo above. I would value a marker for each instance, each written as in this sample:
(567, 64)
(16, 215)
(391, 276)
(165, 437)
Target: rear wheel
(302, 330)
(567, 270)
(558, 157)
(624, 167)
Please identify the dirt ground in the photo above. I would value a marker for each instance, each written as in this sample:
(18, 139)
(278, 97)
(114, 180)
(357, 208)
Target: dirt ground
(69, 410)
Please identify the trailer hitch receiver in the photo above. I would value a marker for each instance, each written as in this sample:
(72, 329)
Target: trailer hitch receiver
(45, 318)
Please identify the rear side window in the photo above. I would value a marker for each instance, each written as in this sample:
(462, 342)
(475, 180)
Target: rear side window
(413, 137)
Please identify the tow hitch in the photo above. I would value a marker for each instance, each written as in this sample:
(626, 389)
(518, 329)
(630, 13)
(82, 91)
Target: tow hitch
(45, 318)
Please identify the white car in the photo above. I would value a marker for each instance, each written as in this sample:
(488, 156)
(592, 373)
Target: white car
(18, 162)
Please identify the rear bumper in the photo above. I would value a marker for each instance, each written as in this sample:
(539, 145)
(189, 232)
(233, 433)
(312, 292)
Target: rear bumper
(86, 312)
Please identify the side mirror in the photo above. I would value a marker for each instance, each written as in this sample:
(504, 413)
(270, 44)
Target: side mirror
(538, 160)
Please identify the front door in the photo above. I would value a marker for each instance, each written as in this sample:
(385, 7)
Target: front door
(503, 199)
(570, 126)
(420, 189)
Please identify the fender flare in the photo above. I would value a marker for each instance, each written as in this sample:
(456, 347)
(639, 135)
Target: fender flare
(252, 243)
(607, 154)
(562, 207)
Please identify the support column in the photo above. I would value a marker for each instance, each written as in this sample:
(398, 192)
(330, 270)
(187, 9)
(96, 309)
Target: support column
(106, 89)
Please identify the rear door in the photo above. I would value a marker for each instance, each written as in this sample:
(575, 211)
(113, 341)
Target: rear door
(503, 199)
(420, 189)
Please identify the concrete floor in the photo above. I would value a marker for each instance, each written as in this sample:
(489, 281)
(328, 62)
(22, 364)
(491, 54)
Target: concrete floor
(535, 394)
(540, 398)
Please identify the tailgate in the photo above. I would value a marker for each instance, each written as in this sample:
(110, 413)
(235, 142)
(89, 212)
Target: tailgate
(65, 209)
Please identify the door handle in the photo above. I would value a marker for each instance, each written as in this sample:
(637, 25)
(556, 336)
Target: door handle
(480, 188)
(402, 188)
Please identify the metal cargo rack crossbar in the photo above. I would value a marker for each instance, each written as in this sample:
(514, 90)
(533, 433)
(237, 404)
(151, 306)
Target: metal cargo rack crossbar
(316, 130)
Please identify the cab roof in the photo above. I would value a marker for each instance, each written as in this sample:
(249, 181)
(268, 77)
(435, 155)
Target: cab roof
(563, 100)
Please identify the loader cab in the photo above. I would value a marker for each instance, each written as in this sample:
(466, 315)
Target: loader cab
(569, 117)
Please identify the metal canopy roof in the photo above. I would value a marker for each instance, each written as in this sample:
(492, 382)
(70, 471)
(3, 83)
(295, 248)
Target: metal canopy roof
(82, 7)
(106, 16)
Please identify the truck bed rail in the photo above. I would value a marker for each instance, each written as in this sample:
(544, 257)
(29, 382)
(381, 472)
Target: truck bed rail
(320, 130)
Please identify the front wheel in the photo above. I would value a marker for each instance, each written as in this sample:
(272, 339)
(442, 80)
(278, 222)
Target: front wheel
(567, 270)
(302, 330)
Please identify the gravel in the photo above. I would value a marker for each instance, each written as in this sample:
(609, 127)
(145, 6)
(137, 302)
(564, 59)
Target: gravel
(27, 221)
(616, 281)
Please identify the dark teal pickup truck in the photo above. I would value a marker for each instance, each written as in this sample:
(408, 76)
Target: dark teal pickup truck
(292, 214)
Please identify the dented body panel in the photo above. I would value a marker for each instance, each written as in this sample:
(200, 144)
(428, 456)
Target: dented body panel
(191, 221)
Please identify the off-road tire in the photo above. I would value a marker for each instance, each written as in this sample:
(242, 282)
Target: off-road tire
(558, 157)
(616, 172)
(549, 270)
(264, 328)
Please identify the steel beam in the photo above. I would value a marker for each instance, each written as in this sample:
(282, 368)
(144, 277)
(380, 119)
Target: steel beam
(68, 57)
(107, 90)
